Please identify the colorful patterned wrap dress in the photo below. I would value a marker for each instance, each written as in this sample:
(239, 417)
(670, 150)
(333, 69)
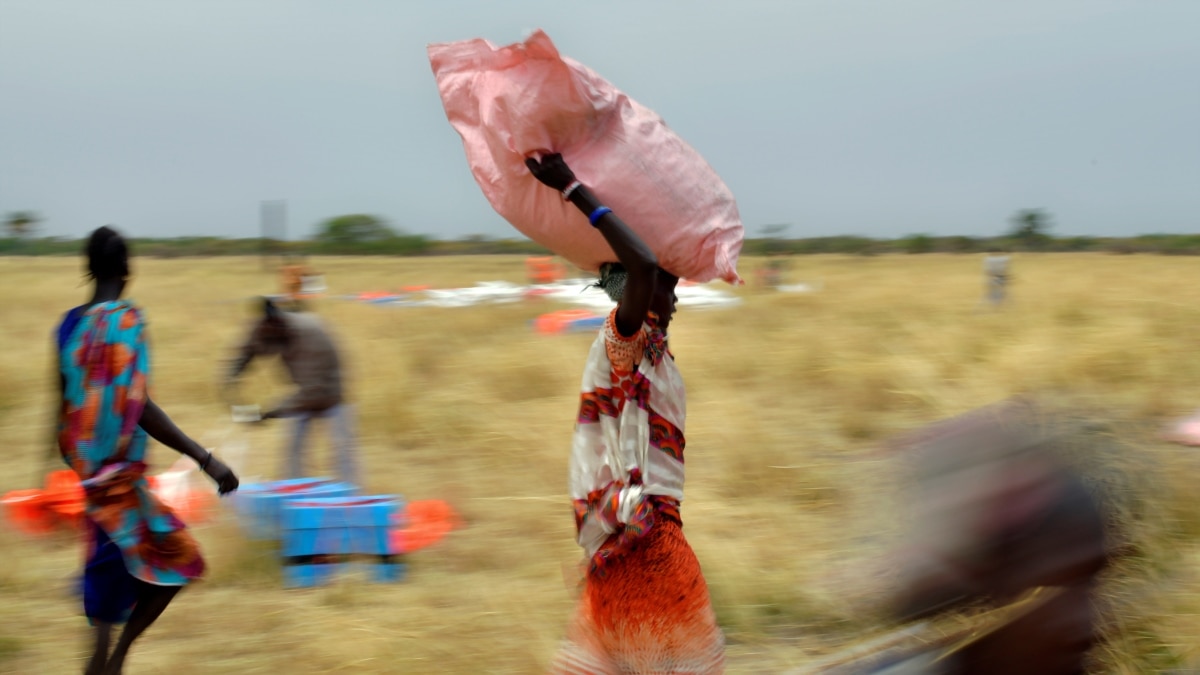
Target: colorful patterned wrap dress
(645, 606)
(133, 538)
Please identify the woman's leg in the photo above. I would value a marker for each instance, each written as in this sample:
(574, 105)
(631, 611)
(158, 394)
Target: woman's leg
(150, 605)
(108, 594)
(100, 653)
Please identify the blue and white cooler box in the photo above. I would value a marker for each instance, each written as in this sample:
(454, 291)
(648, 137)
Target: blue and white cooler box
(260, 505)
(321, 535)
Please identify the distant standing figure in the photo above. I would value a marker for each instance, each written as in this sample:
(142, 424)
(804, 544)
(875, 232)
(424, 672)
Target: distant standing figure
(292, 276)
(995, 270)
(771, 274)
(312, 361)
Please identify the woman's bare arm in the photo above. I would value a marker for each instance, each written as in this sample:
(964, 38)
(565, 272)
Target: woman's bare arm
(635, 256)
(160, 427)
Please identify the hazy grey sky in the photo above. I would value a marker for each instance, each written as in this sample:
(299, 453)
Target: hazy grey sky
(880, 117)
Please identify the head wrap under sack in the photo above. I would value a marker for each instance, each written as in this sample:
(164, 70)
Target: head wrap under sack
(612, 280)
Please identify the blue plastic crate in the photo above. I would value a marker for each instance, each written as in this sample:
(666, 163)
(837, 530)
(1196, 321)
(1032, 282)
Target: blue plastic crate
(386, 572)
(324, 537)
(260, 505)
(338, 525)
(309, 575)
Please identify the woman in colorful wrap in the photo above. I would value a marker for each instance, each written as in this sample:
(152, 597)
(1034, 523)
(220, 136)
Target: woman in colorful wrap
(645, 606)
(140, 554)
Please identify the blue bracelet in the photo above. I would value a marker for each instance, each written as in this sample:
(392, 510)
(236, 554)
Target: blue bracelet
(597, 214)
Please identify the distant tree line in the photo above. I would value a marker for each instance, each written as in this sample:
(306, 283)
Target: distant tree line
(1164, 244)
(353, 234)
(362, 234)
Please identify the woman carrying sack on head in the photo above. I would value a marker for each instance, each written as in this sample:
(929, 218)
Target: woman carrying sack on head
(645, 605)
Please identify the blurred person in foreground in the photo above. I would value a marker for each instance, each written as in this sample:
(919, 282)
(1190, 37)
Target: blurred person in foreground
(311, 359)
(140, 553)
(645, 606)
(998, 517)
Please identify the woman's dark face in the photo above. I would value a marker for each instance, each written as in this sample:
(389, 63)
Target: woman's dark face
(664, 300)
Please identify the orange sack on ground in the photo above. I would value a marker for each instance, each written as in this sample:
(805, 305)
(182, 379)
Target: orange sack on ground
(27, 512)
(513, 102)
(423, 524)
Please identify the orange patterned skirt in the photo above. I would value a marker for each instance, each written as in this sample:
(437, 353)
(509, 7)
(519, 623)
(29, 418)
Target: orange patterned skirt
(647, 611)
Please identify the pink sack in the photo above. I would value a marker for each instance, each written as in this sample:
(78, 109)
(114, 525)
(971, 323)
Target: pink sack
(522, 100)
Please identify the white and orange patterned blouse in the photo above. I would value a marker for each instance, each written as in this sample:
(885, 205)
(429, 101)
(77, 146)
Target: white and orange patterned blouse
(626, 465)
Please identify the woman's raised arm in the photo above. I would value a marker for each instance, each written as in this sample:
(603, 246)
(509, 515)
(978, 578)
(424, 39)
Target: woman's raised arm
(635, 256)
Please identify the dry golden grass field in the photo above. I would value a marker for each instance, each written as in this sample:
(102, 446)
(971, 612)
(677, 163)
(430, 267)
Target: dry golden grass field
(789, 502)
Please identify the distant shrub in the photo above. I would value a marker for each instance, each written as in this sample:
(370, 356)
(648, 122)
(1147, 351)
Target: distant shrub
(917, 243)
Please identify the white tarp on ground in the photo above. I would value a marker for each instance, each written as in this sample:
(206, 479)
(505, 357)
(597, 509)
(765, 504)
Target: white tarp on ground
(799, 288)
(578, 292)
(1185, 431)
